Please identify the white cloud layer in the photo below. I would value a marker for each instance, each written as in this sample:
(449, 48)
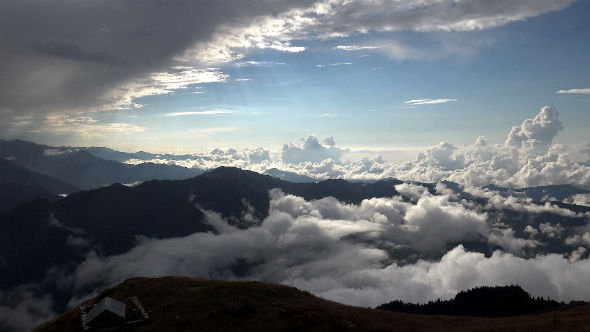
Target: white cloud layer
(346, 252)
(528, 158)
(304, 243)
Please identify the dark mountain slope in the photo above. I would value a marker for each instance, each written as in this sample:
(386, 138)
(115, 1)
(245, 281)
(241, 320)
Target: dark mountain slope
(84, 170)
(228, 189)
(349, 192)
(40, 234)
(289, 176)
(13, 195)
(110, 154)
(16, 174)
(114, 215)
(79, 168)
(184, 304)
(151, 171)
(542, 193)
(225, 190)
(29, 244)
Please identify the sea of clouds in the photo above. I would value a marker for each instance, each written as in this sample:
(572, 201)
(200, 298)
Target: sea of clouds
(412, 247)
(367, 254)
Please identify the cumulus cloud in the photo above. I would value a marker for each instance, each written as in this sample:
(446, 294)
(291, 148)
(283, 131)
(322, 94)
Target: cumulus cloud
(577, 254)
(311, 150)
(527, 159)
(258, 156)
(578, 199)
(542, 129)
(526, 205)
(552, 231)
(577, 240)
(57, 152)
(531, 230)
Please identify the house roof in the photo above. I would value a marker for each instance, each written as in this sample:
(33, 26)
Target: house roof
(107, 304)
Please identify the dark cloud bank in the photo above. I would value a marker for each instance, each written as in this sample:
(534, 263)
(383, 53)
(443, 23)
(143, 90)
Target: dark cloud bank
(68, 57)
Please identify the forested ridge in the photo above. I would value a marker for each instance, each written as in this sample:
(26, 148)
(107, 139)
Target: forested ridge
(497, 301)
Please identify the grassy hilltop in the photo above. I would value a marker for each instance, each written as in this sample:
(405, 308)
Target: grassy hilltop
(184, 304)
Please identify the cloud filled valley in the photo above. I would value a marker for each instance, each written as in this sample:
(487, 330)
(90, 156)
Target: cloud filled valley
(419, 243)
(367, 254)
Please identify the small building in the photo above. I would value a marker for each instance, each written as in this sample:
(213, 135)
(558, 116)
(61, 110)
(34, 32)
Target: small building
(107, 315)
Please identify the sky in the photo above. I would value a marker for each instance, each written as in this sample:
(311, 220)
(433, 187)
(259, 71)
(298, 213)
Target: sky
(392, 78)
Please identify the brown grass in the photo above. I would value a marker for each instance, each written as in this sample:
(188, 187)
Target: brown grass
(184, 304)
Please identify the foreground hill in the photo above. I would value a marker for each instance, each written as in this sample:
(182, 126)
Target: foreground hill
(184, 304)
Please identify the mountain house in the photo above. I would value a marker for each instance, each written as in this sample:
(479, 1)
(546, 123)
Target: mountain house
(107, 315)
(113, 316)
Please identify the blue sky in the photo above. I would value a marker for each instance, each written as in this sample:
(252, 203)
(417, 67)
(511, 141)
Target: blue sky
(352, 81)
(498, 78)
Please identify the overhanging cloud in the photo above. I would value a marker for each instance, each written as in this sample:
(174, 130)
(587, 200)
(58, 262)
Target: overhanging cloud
(69, 57)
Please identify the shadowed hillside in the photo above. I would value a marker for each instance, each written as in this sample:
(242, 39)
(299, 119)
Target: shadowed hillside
(183, 304)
